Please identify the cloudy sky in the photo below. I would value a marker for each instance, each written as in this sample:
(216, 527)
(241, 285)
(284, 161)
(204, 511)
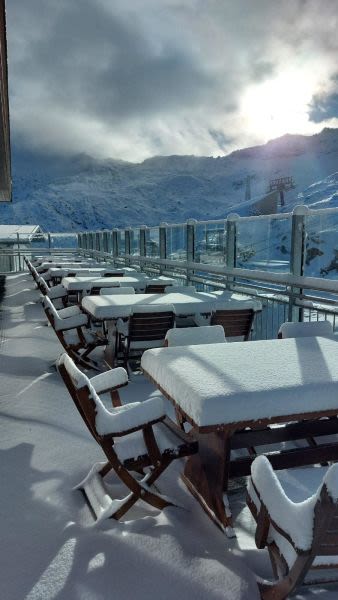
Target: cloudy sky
(134, 78)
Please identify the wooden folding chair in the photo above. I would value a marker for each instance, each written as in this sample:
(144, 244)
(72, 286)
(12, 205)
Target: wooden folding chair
(305, 329)
(133, 437)
(71, 327)
(300, 532)
(236, 323)
(55, 293)
(155, 288)
(146, 328)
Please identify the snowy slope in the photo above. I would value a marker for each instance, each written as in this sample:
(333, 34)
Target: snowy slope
(81, 193)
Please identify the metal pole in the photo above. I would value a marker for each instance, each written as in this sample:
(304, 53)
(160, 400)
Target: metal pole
(231, 241)
(191, 224)
(298, 235)
(163, 242)
(115, 243)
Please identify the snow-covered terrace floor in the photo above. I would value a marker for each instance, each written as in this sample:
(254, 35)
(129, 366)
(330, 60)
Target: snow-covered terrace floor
(50, 548)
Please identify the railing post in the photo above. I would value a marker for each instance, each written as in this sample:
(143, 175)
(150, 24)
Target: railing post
(19, 257)
(127, 244)
(191, 224)
(162, 232)
(231, 243)
(143, 230)
(105, 241)
(298, 234)
(115, 243)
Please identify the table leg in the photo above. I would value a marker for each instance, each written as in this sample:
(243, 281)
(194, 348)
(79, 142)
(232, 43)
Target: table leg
(109, 352)
(206, 476)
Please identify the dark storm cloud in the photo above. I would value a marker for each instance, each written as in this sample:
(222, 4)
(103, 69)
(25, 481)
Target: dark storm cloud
(325, 106)
(149, 76)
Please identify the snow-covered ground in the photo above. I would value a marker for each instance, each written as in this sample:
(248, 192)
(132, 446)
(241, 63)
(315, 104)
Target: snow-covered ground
(49, 546)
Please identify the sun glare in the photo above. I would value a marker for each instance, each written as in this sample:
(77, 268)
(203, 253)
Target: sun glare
(278, 106)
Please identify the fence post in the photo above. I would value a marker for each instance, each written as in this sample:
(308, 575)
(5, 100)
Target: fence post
(115, 243)
(162, 232)
(231, 243)
(298, 234)
(191, 225)
(127, 245)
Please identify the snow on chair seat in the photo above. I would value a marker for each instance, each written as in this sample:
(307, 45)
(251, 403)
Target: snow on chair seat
(133, 437)
(297, 514)
(306, 329)
(71, 326)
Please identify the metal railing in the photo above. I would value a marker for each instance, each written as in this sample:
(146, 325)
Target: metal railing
(288, 260)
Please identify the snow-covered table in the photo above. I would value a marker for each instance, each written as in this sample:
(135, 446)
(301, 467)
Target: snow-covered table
(105, 308)
(139, 281)
(222, 389)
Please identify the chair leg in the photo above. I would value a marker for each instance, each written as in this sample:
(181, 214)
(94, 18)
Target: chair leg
(280, 590)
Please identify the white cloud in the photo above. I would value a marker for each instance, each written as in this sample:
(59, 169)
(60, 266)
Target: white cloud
(134, 78)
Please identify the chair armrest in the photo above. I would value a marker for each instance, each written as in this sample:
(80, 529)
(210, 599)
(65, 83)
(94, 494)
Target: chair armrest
(109, 380)
(70, 311)
(128, 417)
(57, 291)
(70, 322)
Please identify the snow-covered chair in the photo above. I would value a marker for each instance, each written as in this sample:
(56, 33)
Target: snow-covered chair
(306, 329)
(71, 326)
(146, 328)
(133, 437)
(155, 288)
(184, 289)
(297, 514)
(235, 322)
(107, 291)
(187, 336)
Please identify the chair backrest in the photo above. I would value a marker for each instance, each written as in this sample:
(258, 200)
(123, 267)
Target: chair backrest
(106, 291)
(150, 322)
(187, 336)
(155, 288)
(113, 274)
(78, 386)
(184, 289)
(306, 329)
(234, 322)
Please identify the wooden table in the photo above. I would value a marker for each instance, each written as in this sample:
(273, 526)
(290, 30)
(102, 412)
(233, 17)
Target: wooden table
(231, 393)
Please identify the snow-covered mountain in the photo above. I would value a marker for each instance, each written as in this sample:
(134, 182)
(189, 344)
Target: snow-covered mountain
(82, 193)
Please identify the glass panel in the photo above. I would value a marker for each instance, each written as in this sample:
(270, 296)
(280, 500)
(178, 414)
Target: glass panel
(210, 243)
(135, 242)
(177, 242)
(153, 242)
(63, 240)
(321, 245)
(264, 243)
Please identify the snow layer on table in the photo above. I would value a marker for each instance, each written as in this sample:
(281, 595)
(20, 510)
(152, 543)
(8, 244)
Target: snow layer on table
(109, 307)
(186, 336)
(226, 383)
